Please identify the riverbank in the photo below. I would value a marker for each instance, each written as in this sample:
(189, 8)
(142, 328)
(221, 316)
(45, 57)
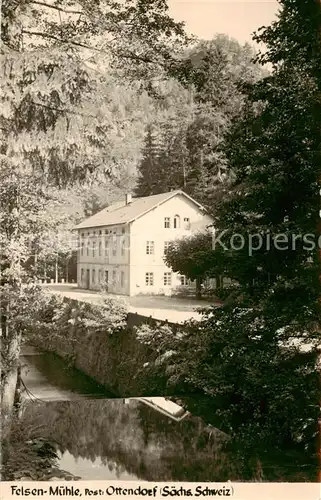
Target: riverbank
(127, 439)
(32, 459)
(52, 437)
(95, 339)
(47, 377)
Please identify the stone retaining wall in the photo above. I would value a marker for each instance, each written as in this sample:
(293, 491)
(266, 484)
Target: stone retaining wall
(115, 361)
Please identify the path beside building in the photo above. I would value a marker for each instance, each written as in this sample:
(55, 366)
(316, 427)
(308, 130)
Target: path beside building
(172, 309)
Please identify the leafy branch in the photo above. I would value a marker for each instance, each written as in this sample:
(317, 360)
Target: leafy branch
(55, 7)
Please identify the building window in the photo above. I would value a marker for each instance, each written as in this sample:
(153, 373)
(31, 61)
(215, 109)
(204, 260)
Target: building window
(187, 223)
(100, 276)
(184, 280)
(122, 279)
(166, 246)
(149, 279)
(114, 278)
(122, 248)
(167, 222)
(149, 248)
(94, 248)
(82, 247)
(93, 276)
(114, 246)
(106, 247)
(123, 230)
(100, 248)
(167, 279)
(82, 275)
(88, 245)
(177, 222)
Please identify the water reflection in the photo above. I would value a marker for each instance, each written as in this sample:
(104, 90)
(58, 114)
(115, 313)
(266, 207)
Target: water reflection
(98, 469)
(128, 440)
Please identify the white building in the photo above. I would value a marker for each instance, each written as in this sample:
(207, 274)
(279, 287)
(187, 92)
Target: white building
(123, 245)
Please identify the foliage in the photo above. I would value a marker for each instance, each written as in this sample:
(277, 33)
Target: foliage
(225, 358)
(31, 459)
(257, 356)
(54, 312)
(185, 151)
(65, 116)
(161, 167)
(57, 103)
(23, 301)
(148, 182)
(46, 124)
(22, 200)
(193, 257)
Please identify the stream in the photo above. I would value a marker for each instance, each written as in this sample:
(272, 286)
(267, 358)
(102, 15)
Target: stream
(48, 377)
(99, 437)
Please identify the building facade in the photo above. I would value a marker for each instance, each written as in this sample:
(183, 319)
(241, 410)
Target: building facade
(122, 247)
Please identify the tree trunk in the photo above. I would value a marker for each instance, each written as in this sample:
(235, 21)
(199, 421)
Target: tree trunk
(199, 288)
(184, 175)
(36, 262)
(67, 269)
(45, 270)
(56, 269)
(11, 408)
(259, 471)
(9, 377)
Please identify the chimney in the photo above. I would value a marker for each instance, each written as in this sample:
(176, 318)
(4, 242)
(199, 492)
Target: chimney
(128, 198)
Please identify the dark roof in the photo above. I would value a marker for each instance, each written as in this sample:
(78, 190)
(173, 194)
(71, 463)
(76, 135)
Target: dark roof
(120, 213)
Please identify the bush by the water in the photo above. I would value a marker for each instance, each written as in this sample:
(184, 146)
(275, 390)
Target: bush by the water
(258, 385)
(56, 312)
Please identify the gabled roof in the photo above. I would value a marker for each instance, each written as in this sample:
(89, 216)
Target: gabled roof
(120, 213)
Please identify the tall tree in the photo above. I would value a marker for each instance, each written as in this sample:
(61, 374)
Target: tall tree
(162, 166)
(58, 121)
(202, 108)
(257, 356)
(149, 165)
(215, 68)
(274, 152)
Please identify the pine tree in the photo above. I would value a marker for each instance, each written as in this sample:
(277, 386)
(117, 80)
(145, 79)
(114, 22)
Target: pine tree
(149, 166)
(167, 169)
(173, 156)
(196, 116)
(217, 67)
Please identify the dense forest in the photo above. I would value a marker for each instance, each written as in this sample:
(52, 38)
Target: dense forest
(170, 137)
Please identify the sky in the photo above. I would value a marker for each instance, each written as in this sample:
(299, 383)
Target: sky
(236, 18)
